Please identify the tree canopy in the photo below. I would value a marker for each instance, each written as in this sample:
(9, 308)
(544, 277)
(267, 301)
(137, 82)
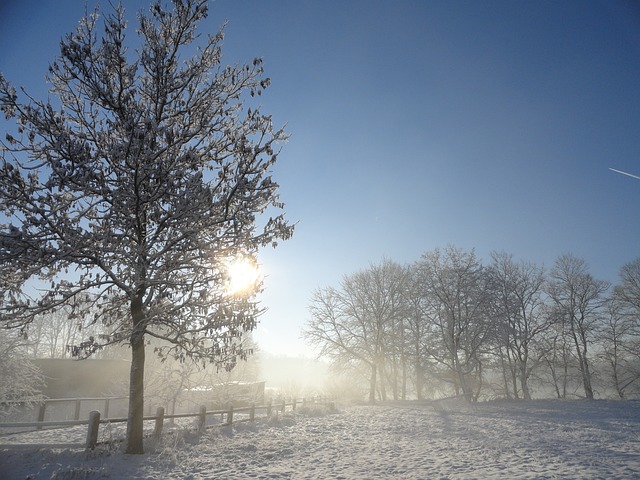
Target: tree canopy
(127, 192)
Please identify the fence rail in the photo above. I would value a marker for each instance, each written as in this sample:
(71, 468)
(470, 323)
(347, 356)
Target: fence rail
(94, 420)
(45, 405)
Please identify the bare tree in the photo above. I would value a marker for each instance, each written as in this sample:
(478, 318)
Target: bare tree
(628, 292)
(560, 361)
(21, 381)
(620, 335)
(619, 342)
(417, 328)
(356, 323)
(50, 334)
(516, 304)
(578, 299)
(453, 284)
(54, 334)
(174, 383)
(341, 338)
(135, 187)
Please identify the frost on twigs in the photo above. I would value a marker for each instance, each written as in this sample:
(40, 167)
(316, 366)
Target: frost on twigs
(126, 193)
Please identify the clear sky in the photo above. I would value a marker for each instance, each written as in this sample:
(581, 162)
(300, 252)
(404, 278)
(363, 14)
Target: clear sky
(419, 124)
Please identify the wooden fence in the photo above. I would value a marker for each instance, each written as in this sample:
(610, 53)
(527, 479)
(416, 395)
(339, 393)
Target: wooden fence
(77, 405)
(94, 420)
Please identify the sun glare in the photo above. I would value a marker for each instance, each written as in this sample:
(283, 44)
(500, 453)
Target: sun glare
(243, 275)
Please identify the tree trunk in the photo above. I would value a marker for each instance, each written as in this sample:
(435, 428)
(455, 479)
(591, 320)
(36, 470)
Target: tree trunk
(395, 375)
(505, 374)
(372, 384)
(403, 363)
(616, 378)
(136, 398)
(586, 379)
(581, 350)
(419, 386)
(462, 381)
(382, 383)
(404, 376)
(418, 369)
(554, 376)
(479, 389)
(136, 384)
(523, 362)
(511, 369)
(524, 383)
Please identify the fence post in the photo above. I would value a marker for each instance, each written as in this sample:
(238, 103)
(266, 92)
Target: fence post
(159, 422)
(202, 417)
(230, 415)
(252, 413)
(269, 408)
(76, 415)
(284, 405)
(106, 407)
(92, 432)
(294, 405)
(41, 410)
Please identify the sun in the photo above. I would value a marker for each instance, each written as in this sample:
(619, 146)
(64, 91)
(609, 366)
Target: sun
(243, 275)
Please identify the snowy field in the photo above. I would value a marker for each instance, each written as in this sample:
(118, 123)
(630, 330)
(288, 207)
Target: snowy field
(446, 440)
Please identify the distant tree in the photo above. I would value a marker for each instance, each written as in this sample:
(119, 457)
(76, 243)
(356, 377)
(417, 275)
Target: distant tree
(54, 334)
(21, 382)
(354, 325)
(620, 335)
(386, 285)
(50, 334)
(516, 304)
(171, 382)
(627, 293)
(453, 284)
(550, 356)
(339, 337)
(135, 187)
(417, 328)
(619, 342)
(578, 299)
(166, 380)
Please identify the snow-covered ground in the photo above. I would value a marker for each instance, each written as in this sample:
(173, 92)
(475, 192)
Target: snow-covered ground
(404, 440)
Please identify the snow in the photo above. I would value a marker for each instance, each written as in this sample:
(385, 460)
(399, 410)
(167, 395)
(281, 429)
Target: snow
(396, 440)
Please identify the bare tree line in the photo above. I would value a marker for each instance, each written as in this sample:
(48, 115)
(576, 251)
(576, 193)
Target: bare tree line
(449, 324)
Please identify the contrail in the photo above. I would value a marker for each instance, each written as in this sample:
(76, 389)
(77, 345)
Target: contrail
(625, 173)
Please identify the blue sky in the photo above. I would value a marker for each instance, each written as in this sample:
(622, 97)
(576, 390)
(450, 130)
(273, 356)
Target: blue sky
(418, 124)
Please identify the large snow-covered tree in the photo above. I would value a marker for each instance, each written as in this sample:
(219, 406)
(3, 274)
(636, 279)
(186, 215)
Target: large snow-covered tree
(134, 184)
